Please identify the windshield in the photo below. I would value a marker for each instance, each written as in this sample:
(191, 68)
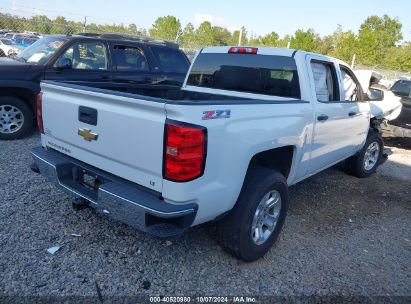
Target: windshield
(7, 41)
(40, 51)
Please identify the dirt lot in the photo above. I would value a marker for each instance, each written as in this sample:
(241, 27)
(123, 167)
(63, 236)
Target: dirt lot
(342, 236)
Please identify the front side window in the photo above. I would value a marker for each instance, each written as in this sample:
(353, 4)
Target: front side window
(352, 90)
(325, 81)
(258, 74)
(129, 58)
(87, 56)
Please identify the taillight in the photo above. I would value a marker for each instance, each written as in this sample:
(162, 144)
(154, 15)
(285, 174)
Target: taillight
(39, 102)
(243, 50)
(184, 151)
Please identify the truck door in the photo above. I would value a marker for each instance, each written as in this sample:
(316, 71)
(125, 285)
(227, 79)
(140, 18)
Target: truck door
(341, 119)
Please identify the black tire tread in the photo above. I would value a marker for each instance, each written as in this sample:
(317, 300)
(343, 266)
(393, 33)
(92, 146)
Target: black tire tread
(354, 164)
(229, 227)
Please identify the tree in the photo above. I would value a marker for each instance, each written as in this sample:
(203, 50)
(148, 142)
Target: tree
(42, 24)
(168, 28)
(304, 40)
(284, 41)
(375, 36)
(271, 39)
(187, 36)
(221, 36)
(204, 34)
(398, 58)
(236, 35)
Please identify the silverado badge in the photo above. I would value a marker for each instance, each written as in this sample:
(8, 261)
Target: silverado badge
(87, 134)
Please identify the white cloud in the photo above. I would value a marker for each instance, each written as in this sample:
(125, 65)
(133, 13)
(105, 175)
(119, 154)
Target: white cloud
(214, 20)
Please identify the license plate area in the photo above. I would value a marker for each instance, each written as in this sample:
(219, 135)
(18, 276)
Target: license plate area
(87, 180)
(80, 180)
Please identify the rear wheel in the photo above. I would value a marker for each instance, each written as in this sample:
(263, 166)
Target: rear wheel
(2, 54)
(16, 118)
(367, 160)
(250, 229)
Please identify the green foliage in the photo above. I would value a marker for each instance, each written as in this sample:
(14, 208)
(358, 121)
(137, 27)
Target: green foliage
(375, 44)
(168, 27)
(304, 40)
(236, 35)
(376, 35)
(271, 39)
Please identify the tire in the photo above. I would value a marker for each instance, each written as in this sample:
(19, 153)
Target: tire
(356, 165)
(235, 230)
(2, 54)
(16, 118)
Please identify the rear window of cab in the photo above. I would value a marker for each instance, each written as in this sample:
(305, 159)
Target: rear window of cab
(250, 73)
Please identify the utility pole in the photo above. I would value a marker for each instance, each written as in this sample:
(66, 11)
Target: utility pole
(353, 62)
(288, 44)
(240, 36)
(85, 24)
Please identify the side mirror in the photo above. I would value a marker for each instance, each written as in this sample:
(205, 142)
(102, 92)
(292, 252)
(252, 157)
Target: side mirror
(63, 63)
(375, 94)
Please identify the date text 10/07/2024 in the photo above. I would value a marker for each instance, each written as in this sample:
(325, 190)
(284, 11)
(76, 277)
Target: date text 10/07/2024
(201, 299)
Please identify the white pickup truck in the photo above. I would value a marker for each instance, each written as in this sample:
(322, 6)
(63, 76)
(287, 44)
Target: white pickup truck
(248, 123)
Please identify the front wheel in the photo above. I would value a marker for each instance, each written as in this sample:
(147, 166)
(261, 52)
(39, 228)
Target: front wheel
(16, 118)
(253, 225)
(367, 160)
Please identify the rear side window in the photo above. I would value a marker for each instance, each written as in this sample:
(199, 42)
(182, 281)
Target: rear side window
(171, 60)
(128, 58)
(325, 81)
(258, 74)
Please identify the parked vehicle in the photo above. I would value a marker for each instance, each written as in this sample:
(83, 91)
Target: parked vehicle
(8, 47)
(114, 62)
(24, 42)
(384, 103)
(396, 121)
(248, 123)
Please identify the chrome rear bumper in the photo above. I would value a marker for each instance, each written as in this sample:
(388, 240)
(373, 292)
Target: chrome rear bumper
(122, 200)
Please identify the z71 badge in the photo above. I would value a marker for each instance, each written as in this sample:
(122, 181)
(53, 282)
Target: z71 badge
(216, 114)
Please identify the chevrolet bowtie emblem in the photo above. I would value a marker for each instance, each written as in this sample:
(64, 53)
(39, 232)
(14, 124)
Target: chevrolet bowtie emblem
(87, 134)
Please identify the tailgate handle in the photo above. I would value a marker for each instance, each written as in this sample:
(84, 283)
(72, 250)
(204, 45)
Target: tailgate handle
(87, 115)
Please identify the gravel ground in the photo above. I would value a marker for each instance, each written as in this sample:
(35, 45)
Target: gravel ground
(342, 236)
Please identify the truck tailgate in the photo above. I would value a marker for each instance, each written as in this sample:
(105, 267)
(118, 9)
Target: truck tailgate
(127, 139)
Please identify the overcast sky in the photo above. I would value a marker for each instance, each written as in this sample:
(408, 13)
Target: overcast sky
(258, 16)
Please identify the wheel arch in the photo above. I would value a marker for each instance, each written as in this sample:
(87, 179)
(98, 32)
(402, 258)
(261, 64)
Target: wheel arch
(279, 159)
(25, 94)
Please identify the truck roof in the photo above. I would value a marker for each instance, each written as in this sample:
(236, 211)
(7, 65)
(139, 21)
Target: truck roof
(268, 50)
(262, 50)
(119, 37)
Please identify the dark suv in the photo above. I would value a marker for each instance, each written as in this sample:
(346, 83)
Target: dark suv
(115, 62)
(402, 88)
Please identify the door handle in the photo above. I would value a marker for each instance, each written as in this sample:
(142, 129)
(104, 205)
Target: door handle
(105, 77)
(87, 115)
(351, 114)
(322, 117)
